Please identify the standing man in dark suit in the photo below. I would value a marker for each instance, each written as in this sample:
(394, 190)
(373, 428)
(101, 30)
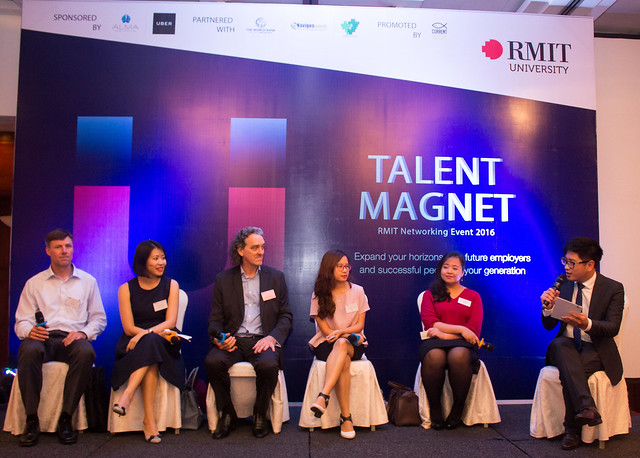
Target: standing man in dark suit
(251, 305)
(584, 344)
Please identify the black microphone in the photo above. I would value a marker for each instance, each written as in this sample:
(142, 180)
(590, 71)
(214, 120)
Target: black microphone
(40, 318)
(486, 345)
(221, 336)
(556, 286)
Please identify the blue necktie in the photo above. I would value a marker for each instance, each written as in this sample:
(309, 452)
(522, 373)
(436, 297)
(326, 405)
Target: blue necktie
(577, 337)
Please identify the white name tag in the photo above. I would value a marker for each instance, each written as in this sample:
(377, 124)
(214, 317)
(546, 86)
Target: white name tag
(268, 295)
(463, 301)
(71, 302)
(160, 305)
(352, 308)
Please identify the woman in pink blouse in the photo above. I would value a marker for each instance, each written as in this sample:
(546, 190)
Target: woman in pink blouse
(339, 308)
(452, 316)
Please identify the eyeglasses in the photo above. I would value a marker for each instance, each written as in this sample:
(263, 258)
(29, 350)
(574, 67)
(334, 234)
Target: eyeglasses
(569, 263)
(346, 268)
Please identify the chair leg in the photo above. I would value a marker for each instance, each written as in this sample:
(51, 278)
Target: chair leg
(311, 430)
(486, 425)
(177, 431)
(601, 444)
(373, 427)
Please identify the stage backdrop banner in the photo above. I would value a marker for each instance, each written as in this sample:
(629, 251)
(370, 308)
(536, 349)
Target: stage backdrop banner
(394, 134)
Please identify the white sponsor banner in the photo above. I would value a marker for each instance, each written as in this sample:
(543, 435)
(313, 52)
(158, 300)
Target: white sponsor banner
(537, 57)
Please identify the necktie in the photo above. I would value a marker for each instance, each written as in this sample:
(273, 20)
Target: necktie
(577, 338)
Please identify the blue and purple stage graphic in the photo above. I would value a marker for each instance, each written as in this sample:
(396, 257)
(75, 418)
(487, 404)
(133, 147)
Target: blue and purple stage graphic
(122, 142)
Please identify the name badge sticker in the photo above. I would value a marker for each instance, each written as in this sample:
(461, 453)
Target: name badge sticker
(160, 305)
(352, 308)
(463, 301)
(268, 295)
(71, 302)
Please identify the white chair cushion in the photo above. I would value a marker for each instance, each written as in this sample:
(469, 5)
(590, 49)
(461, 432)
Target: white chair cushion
(365, 400)
(166, 409)
(481, 406)
(243, 396)
(53, 377)
(547, 411)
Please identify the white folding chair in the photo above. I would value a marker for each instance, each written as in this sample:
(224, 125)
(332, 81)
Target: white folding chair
(547, 410)
(243, 396)
(365, 398)
(167, 402)
(481, 406)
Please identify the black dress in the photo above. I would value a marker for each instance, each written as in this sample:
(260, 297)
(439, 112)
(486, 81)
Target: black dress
(151, 348)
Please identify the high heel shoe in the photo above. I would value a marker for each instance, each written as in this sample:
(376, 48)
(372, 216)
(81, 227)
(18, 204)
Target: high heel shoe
(120, 410)
(154, 439)
(317, 409)
(346, 434)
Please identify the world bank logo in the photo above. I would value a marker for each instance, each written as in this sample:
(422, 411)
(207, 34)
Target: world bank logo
(350, 26)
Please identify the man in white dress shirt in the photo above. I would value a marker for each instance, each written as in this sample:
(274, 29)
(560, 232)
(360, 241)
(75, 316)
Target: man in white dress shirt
(59, 313)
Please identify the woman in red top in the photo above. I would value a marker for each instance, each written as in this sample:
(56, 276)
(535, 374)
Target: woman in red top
(452, 316)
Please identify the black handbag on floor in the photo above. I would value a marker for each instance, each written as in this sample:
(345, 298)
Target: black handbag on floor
(192, 417)
(402, 408)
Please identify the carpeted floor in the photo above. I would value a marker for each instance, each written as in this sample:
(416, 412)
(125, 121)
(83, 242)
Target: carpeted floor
(507, 439)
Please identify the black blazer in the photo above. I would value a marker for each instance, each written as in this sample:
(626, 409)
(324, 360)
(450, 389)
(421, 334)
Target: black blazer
(227, 308)
(605, 312)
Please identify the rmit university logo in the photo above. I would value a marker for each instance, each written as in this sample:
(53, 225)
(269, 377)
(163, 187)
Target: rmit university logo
(492, 49)
(529, 57)
(350, 26)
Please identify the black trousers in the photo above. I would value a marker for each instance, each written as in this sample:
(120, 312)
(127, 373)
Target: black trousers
(575, 368)
(32, 354)
(266, 365)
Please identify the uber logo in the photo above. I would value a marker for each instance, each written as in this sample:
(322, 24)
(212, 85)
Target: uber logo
(164, 23)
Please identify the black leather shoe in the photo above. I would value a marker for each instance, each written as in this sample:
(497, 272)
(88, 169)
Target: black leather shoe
(260, 425)
(437, 425)
(31, 433)
(570, 441)
(66, 433)
(588, 416)
(453, 421)
(225, 425)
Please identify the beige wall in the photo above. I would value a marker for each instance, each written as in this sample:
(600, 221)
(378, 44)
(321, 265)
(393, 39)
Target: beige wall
(618, 130)
(9, 51)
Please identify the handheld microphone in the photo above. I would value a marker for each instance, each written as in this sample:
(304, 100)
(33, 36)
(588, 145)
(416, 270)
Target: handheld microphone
(556, 286)
(356, 339)
(221, 336)
(486, 345)
(40, 319)
(172, 337)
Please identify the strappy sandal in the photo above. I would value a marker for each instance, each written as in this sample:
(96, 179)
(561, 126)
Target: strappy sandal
(317, 409)
(346, 434)
(120, 410)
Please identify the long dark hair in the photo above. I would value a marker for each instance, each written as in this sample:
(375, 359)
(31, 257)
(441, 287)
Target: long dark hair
(326, 282)
(438, 288)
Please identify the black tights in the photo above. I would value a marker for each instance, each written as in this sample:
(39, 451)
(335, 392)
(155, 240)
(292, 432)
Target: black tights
(458, 361)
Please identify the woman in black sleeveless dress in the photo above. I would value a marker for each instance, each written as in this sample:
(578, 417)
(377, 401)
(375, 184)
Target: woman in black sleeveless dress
(148, 306)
